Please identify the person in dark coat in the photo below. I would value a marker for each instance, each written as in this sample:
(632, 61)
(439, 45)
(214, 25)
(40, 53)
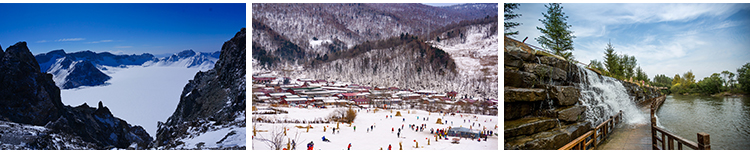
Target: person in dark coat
(310, 145)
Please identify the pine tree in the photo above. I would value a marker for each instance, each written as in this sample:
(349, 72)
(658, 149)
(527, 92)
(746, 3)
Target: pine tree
(509, 7)
(556, 35)
(612, 61)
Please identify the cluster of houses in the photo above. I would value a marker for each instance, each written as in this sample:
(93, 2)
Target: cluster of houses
(321, 93)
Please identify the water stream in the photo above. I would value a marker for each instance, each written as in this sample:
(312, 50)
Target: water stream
(725, 119)
(604, 97)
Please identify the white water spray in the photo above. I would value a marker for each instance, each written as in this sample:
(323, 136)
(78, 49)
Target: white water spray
(604, 97)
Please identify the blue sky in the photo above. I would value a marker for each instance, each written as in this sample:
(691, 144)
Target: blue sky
(121, 28)
(665, 38)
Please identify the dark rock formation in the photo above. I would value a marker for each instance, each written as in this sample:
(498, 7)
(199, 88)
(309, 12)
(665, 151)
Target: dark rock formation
(215, 95)
(83, 73)
(29, 96)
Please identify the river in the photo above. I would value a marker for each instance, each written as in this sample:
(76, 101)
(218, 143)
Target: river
(725, 119)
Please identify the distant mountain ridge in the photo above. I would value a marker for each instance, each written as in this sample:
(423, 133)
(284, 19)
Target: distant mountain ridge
(84, 68)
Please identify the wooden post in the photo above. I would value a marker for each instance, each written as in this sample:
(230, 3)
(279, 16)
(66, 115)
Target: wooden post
(704, 142)
(670, 143)
(663, 144)
(679, 146)
(593, 140)
(653, 138)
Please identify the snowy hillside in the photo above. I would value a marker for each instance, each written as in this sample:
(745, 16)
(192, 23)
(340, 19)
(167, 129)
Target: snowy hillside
(73, 70)
(475, 54)
(381, 135)
(188, 59)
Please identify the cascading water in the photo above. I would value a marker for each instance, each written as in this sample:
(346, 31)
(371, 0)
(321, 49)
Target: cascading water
(604, 97)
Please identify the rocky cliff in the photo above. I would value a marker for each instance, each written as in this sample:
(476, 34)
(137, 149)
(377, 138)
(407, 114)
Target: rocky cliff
(213, 100)
(29, 97)
(550, 101)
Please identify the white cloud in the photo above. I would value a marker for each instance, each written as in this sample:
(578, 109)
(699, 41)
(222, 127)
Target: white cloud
(70, 39)
(41, 41)
(100, 41)
(118, 46)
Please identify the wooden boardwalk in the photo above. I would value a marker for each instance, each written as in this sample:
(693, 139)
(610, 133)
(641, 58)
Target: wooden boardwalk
(627, 137)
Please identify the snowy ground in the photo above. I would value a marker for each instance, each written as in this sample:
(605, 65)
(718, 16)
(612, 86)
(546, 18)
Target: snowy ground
(381, 136)
(139, 95)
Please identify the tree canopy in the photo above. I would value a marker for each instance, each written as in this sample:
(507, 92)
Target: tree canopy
(556, 35)
(509, 7)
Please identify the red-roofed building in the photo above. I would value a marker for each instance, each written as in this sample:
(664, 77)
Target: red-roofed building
(361, 101)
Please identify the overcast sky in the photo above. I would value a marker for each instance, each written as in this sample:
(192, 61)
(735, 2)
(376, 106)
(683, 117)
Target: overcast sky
(665, 38)
(121, 28)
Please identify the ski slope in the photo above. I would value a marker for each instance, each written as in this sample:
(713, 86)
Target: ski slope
(381, 136)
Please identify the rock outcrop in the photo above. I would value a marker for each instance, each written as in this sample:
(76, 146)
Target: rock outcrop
(30, 98)
(213, 99)
(543, 92)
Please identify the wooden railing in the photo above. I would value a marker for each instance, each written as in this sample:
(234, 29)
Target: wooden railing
(590, 140)
(704, 142)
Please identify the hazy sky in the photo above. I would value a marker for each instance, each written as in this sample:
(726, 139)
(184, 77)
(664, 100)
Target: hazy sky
(121, 28)
(665, 38)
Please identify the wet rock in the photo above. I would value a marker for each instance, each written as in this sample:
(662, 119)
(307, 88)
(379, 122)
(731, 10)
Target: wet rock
(528, 126)
(545, 71)
(548, 140)
(524, 94)
(512, 60)
(514, 110)
(520, 79)
(571, 114)
(552, 61)
(564, 95)
(577, 129)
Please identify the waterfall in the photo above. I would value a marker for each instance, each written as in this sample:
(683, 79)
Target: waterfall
(604, 97)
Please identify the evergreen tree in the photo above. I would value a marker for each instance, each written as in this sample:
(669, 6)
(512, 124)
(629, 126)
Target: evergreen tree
(556, 35)
(509, 7)
(640, 75)
(661, 80)
(612, 61)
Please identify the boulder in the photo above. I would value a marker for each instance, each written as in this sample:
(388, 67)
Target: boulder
(551, 61)
(570, 114)
(545, 71)
(528, 126)
(548, 140)
(514, 110)
(512, 60)
(564, 95)
(520, 79)
(577, 129)
(524, 94)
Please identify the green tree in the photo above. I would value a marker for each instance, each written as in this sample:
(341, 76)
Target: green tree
(743, 77)
(509, 7)
(661, 80)
(627, 65)
(556, 35)
(676, 79)
(596, 65)
(711, 85)
(728, 79)
(640, 75)
(611, 60)
(688, 79)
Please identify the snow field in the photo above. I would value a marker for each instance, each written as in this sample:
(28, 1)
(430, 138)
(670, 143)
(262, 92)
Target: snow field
(381, 136)
(139, 95)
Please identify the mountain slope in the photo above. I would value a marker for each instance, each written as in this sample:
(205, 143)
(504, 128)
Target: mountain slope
(30, 98)
(212, 105)
(318, 29)
(73, 70)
